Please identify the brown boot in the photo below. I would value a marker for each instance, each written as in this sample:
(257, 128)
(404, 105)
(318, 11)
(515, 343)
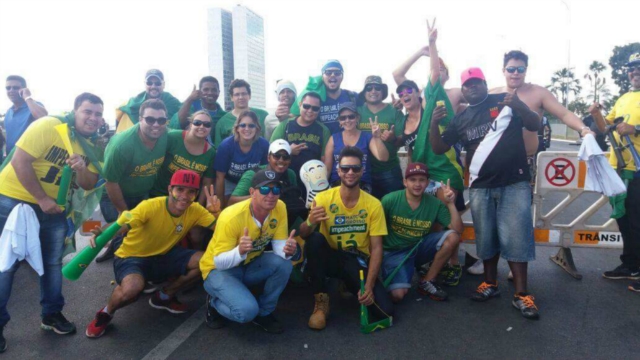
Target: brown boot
(318, 319)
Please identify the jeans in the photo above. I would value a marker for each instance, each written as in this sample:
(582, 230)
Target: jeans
(53, 229)
(229, 288)
(503, 223)
(386, 182)
(629, 226)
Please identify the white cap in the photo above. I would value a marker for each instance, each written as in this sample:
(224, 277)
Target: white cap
(279, 145)
(285, 84)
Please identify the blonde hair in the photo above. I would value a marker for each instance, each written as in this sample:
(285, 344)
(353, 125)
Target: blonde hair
(254, 118)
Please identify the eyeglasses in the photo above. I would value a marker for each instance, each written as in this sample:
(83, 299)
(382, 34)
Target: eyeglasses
(407, 91)
(355, 168)
(630, 69)
(373, 87)
(347, 117)
(156, 83)
(519, 69)
(244, 125)
(333, 72)
(9, 88)
(285, 157)
(206, 124)
(151, 120)
(309, 106)
(265, 190)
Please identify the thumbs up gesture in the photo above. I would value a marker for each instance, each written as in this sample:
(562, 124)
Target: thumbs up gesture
(290, 247)
(246, 243)
(513, 101)
(317, 214)
(388, 135)
(195, 95)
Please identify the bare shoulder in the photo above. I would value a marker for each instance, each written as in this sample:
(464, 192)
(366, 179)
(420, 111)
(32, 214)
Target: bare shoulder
(498, 90)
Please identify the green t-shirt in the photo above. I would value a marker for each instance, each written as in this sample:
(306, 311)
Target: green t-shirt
(441, 167)
(178, 157)
(387, 117)
(242, 189)
(224, 127)
(407, 226)
(131, 164)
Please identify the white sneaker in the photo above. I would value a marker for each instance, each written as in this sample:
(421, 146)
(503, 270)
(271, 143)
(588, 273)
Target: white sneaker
(477, 268)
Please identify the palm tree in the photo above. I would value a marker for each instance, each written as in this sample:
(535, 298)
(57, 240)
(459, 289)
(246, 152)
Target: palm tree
(598, 84)
(563, 83)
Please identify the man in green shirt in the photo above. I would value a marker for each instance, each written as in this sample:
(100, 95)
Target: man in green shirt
(240, 92)
(204, 98)
(386, 175)
(132, 161)
(411, 215)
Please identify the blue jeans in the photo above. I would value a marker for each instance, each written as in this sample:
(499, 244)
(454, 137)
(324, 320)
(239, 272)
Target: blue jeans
(52, 233)
(229, 288)
(502, 222)
(386, 182)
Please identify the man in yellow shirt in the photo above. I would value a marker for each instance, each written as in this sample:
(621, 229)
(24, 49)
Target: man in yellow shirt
(352, 225)
(627, 107)
(33, 178)
(235, 258)
(149, 250)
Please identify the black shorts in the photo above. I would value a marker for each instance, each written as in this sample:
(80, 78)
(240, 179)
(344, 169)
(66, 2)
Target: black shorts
(154, 268)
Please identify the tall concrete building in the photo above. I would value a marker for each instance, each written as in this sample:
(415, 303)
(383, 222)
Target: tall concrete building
(236, 51)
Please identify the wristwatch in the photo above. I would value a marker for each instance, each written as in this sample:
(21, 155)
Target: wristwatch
(637, 127)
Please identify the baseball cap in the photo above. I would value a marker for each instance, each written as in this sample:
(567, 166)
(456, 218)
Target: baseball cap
(634, 59)
(154, 72)
(264, 177)
(407, 84)
(416, 169)
(471, 73)
(285, 84)
(279, 145)
(332, 64)
(374, 79)
(186, 178)
(348, 105)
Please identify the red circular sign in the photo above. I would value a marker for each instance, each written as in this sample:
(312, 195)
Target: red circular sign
(560, 172)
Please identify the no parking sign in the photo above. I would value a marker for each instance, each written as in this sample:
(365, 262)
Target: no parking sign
(559, 172)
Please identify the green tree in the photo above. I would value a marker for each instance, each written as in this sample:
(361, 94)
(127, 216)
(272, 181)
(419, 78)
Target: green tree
(563, 84)
(617, 61)
(598, 91)
(579, 107)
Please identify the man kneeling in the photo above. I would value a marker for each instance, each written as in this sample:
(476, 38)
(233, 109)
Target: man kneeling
(235, 258)
(149, 252)
(411, 242)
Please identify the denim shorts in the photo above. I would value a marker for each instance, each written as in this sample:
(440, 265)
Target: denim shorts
(154, 268)
(426, 252)
(502, 222)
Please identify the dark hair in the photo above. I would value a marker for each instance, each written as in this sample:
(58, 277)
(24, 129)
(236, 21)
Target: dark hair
(312, 94)
(156, 104)
(254, 118)
(350, 151)
(208, 79)
(94, 99)
(238, 83)
(22, 81)
(516, 55)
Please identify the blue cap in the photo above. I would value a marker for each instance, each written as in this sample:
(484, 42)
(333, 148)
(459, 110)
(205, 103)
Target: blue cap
(332, 64)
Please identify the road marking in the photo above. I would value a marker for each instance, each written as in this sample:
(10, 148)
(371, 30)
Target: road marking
(167, 346)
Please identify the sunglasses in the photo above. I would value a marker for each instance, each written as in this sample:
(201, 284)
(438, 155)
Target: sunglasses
(156, 83)
(244, 125)
(265, 190)
(309, 106)
(519, 69)
(372, 87)
(333, 72)
(407, 91)
(9, 88)
(151, 120)
(355, 168)
(285, 157)
(206, 124)
(347, 117)
(630, 69)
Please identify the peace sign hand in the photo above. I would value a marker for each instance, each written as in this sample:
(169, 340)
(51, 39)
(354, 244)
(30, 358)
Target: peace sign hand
(433, 32)
(290, 247)
(375, 128)
(213, 203)
(449, 195)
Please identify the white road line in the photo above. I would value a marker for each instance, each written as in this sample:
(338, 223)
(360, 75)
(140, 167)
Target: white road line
(167, 346)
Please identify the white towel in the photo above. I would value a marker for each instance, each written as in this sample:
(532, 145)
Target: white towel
(20, 239)
(601, 177)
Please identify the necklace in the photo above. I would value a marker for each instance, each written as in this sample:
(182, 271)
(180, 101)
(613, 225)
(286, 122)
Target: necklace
(178, 225)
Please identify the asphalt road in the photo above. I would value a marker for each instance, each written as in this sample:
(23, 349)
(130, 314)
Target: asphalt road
(590, 318)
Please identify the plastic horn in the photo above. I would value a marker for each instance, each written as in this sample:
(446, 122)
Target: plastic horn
(65, 183)
(74, 269)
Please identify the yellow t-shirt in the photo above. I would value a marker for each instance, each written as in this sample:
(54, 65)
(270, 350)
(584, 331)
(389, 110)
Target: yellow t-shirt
(230, 228)
(627, 106)
(154, 231)
(43, 142)
(350, 229)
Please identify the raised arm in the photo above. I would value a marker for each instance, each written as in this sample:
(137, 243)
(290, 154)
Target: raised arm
(399, 74)
(185, 109)
(434, 60)
(551, 105)
(37, 110)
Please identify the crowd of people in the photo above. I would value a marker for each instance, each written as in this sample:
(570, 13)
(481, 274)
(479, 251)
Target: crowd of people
(233, 200)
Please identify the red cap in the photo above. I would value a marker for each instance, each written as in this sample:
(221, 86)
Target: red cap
(186, 178)
(416, 169)
(471, 73)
